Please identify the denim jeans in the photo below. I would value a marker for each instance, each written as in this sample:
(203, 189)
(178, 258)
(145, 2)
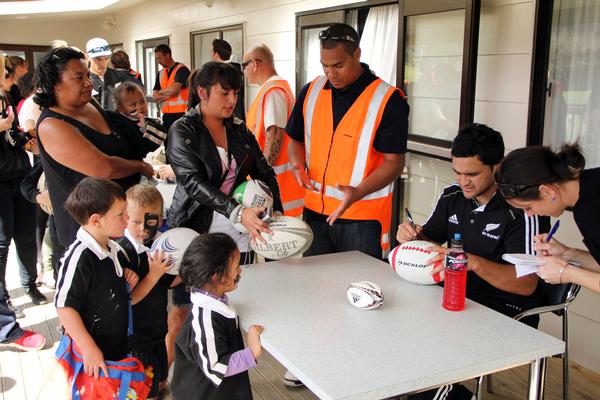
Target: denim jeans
(363, 236)
(17, 222)
(9, 327)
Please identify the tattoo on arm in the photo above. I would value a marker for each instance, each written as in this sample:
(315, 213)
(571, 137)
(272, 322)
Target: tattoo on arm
(273, 143)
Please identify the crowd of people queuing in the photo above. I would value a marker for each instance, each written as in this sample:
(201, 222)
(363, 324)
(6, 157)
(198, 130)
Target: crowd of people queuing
(330, 156)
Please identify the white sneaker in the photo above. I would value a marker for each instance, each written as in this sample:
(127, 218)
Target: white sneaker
(290, 379)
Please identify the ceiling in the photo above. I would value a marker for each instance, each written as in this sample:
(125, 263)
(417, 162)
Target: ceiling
(121, 4)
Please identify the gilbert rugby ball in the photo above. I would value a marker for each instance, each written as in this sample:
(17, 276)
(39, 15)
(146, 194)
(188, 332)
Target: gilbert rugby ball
(364, 294)
(253, 193)
(290, 236)
(174, 242)
(409, 261)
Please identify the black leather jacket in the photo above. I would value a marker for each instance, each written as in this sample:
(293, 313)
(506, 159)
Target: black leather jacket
(198, 170)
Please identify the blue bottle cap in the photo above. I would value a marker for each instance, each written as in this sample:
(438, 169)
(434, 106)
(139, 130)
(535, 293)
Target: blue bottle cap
(457, 236)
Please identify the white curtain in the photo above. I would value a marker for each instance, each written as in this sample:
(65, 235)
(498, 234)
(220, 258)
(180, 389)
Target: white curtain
(379, 42)
(573, 111)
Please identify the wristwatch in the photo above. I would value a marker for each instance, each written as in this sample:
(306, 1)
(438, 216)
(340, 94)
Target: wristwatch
(236, 219)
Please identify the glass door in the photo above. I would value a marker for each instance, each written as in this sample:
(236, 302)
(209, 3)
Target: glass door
(146, 59)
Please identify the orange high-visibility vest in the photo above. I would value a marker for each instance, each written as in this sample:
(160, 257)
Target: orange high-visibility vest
(292, 194)
(178, 103)
(346, 156)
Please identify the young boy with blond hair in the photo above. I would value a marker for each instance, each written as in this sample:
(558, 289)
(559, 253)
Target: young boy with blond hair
(149, 299)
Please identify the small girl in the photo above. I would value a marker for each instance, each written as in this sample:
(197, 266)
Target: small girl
(211, 362)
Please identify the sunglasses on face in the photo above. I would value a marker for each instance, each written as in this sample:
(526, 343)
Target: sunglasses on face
(327, 35)
(511, 191)
(245, 63)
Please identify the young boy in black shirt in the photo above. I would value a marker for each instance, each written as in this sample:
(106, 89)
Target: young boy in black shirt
(149, 298)
(91, 297)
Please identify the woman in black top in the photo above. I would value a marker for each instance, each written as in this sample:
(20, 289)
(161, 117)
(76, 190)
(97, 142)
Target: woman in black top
(17, 215)
(75, 136)
(544, 182)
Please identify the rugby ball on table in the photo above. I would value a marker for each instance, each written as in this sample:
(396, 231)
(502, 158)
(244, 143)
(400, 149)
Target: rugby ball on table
(290, 236)
(364, 294)
(174, 242)
(409, 261)
(253, 193)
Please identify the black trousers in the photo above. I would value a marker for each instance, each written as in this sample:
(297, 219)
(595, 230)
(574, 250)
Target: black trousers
(17, 222)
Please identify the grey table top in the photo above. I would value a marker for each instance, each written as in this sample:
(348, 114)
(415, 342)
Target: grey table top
(411, 343)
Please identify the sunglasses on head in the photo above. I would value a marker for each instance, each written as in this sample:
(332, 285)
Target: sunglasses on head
(511, 191)
(245, 63)
(59, 53)
(327, 35)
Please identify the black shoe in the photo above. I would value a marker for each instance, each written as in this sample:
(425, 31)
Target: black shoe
(17, 311)
(36, 296)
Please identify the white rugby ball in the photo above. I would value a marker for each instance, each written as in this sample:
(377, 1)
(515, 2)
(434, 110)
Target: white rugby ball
(42, 187)
(174, 242)
(290, 236)
(253, 193)
(364, 294)
(409, 261)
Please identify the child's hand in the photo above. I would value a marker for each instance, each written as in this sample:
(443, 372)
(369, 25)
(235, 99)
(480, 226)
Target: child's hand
(159, 263)
(254, 340)
(93, 362)
(131, 277)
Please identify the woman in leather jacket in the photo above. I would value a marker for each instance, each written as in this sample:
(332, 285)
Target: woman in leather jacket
(212, 153)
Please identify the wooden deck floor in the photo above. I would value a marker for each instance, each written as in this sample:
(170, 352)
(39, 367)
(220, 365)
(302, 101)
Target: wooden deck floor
(32, 375)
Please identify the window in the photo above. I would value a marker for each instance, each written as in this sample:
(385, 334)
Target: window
(574, 78)
(32, 54)
(201, 43)
(146, 63)
(432, 73)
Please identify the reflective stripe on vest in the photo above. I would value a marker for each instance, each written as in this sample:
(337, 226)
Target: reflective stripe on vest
(346, 156)
(292, 194)
(311, 101)
(178, 103)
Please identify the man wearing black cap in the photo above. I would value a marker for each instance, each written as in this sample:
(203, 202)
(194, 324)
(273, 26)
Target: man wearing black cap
(349, 133)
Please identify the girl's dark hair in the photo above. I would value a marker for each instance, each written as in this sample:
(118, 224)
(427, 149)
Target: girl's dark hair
(207, 255)
(48, 72)
(93, 196)
(523, 170)
(209, 75)
(25, 84)
(126, 87)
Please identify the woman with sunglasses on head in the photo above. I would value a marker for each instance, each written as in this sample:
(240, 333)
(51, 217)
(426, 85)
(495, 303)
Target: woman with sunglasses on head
(543, 182)
(75, 136)
(211, 153)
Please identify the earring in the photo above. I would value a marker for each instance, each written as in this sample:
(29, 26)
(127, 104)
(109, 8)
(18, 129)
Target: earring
(553, 199)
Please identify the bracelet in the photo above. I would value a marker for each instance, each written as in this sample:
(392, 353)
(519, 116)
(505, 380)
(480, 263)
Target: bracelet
(561, 272)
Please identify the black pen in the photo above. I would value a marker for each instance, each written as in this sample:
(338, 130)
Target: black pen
(409, 218)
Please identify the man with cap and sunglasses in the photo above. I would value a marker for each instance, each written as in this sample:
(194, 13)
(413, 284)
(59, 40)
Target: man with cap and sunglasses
(104, 79)
(348, 133)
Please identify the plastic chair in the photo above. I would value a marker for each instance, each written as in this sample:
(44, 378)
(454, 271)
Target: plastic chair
(557, 298)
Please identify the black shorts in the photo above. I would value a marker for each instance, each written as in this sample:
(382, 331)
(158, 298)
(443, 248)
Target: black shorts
(153, 355)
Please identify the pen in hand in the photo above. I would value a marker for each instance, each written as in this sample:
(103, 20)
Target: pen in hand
(553, 230)
(410, 220)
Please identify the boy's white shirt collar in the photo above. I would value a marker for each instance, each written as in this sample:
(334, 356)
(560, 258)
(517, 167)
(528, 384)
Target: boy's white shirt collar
(204, 301)
(139, 247)
(88, 240)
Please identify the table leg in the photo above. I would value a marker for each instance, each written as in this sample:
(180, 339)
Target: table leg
(537, 378)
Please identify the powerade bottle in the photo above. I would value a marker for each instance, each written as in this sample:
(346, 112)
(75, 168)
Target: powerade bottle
(455, 279)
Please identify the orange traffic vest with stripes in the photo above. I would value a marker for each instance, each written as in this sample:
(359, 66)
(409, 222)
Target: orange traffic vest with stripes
(292, 194)
(178, 103)
(346, 156)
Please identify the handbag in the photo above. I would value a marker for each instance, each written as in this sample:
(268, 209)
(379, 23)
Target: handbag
(127, 379)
